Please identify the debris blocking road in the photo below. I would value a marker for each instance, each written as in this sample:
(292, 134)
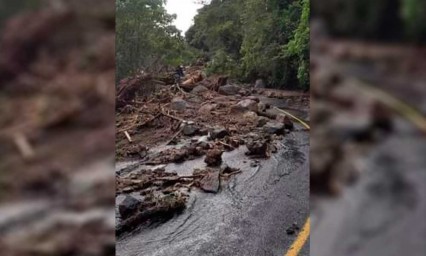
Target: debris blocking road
(160, 123)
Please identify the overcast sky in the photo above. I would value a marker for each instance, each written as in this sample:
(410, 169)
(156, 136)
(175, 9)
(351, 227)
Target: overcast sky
(185, 11)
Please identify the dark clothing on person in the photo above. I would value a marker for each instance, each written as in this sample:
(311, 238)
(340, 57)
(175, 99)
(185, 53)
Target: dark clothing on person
(179, 71)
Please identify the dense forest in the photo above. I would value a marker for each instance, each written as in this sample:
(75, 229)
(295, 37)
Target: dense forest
(246, 40)
(395, 20)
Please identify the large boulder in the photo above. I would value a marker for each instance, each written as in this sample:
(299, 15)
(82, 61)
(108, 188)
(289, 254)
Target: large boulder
(128, 206)
(274, 127)
(229, 89)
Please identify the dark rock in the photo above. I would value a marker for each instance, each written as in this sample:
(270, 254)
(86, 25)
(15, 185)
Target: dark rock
(213, 157)
(178, 104)
(257, 148)
(210, 183)
(218, 133)
(274, 127)
(288, 123)
(199, 89)
(229, 89)
(261, 121)
(128, 206)
(292, 230)
(190, 130)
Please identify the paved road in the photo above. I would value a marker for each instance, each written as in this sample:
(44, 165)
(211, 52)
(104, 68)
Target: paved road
(384, 213)
(248, 217)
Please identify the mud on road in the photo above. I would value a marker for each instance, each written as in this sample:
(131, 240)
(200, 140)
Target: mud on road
(218, 167)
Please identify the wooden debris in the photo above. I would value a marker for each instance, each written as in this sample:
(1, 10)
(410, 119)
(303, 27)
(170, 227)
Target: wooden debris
(128, 136)
(24, 146)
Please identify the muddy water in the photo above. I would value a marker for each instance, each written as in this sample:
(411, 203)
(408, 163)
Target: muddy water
(249, 216)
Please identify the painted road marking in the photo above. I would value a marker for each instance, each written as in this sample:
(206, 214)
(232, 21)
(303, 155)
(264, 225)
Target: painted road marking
(300, 240)
(294, 117)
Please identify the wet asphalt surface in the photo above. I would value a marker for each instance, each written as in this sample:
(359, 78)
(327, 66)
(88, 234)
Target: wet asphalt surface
(383, 214)
(249, 216)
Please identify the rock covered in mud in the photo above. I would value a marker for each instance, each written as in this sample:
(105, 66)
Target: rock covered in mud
(229, 89)
(207, 108)
(261, 107)
(288, 123)
(178, 104)
(190, 129)
(128, 206)
(218, 133)
(244, 105)
(251, 117)
(274, 127)
(257, 148)
(199, 89)
(261, 121)
(210, 183)
(213, 157)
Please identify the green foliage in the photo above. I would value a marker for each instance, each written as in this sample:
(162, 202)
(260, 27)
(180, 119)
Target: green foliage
(396, 20)
(414, 19)
(221, 63)
(146, 38)
(298, 47)
(9, 8)
(248, 40)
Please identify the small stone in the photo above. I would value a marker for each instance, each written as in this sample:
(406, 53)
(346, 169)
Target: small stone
(292, 230)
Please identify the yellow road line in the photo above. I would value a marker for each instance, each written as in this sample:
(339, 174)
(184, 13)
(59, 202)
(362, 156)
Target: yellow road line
(408, 112)
(300, 240)
(292, 116)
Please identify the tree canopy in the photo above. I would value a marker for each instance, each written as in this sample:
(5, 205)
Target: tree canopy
(254, 39)
(146, 38)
